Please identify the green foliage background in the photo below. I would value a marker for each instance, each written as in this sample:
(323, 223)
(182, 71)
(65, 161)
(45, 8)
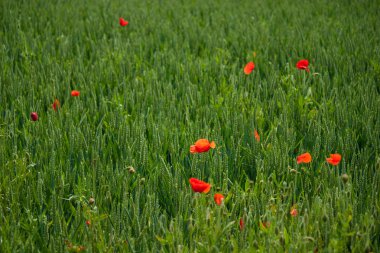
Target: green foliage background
(172, 76)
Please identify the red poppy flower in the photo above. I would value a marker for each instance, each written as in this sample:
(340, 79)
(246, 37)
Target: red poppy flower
(257, 136)
(123, 22)
(293, 212)
(75, 93)
(34, 116)
(199, 186)
(56, 105)
(218, 198)
(201, 145)
(334, 159)
(304, 158)
(241, 224)
(249, 68)
(303, 65)
(88, 222)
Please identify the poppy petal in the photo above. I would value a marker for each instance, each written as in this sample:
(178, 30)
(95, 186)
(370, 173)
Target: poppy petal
(218, 198)
(193, 149)
(257, 136)
(334, 159)
(199, 185)
(304, 158)
(123, 22)
(201, 145)
(75, 93)
(303, 65)
(249, 68)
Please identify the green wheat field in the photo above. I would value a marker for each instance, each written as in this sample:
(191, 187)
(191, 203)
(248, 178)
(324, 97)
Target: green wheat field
(109, 170)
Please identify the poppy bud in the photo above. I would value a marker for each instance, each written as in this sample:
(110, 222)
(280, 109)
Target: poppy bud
(241, 224)
(142, 180)
(218, 198)
(294, 212)
(56, 105)
(345, 178)
(131, 170)
(34, 116)
(91, 201)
